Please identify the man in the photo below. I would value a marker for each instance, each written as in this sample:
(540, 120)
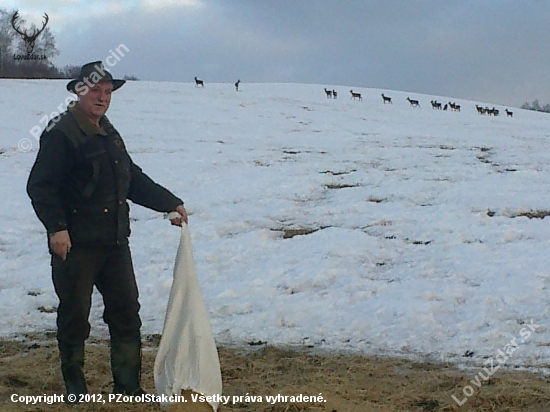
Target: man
(79, 186)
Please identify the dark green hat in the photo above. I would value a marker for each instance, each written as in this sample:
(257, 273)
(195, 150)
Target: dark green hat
(92, 73)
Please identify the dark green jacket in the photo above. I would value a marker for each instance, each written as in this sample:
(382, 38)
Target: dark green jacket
(83, 176)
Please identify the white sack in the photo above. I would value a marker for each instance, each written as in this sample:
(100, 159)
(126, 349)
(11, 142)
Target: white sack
(187, 357)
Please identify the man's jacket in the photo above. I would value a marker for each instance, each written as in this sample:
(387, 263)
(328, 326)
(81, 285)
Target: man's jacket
(83, 176)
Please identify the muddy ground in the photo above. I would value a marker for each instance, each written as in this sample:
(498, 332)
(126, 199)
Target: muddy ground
(348, 383)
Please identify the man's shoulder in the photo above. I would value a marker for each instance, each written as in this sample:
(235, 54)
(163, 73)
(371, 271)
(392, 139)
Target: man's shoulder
(60, 120)
(64, 124)
(106, 125)
(112, 133)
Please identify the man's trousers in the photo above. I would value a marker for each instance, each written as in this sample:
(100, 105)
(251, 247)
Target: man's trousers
(109, 268)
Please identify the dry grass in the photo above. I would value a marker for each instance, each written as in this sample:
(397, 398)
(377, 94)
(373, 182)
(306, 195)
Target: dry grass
(534, 214)
(289, 233)
(342, 185)
(348, 383)
(530, 214)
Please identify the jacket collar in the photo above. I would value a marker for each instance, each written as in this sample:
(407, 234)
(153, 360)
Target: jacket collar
(85, 123)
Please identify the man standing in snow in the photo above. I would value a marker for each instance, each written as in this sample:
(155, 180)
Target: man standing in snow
(79, 186)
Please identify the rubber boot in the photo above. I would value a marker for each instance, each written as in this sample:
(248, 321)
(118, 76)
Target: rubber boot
(126, 367)
(72, 363)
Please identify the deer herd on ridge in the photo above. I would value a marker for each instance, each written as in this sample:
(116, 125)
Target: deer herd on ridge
(332, 94)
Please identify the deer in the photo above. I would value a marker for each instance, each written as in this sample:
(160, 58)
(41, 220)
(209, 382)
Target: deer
(436, 105)
(480, 109)
(329, 93)
(445, 107)
(334, 94)
(454, 106)
(413, 103)
(29, 39)
(236, 85)
(509, 113)
(387, 100)
(355, 95)
(198, 82)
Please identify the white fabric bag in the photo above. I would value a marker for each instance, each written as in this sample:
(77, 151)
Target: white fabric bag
(187, 358)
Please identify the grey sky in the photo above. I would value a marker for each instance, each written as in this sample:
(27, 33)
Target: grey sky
(494, 51)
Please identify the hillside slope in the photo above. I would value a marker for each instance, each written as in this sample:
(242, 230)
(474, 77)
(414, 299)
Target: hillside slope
(340, 224)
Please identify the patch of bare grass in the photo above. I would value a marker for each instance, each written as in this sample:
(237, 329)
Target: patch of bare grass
(333, 173)
(289, 233)
(530, 214)
(342, 185)
(533, 214)
(377, 199)
(348, 383)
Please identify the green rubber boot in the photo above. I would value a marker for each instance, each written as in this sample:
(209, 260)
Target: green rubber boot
(72, 364)
(126, 367)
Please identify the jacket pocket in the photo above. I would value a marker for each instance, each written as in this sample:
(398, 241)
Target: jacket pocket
(94, 152)
(93, 223)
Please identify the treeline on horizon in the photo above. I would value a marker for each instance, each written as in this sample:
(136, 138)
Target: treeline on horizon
(536, 106)
(12, 44)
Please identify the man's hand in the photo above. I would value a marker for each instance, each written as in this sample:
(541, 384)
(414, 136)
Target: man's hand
(179, 220)
(60, 243)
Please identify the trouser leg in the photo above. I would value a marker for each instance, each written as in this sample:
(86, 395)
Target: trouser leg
(73, 282)
(118, 287)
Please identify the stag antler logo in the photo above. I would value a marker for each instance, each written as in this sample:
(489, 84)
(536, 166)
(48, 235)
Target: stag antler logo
(29, 39)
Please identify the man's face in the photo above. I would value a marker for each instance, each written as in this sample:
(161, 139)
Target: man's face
(96, 102)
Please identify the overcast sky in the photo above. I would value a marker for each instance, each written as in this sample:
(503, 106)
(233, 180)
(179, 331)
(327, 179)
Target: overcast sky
(495, 51)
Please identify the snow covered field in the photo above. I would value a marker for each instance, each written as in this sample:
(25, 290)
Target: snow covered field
(417, 246)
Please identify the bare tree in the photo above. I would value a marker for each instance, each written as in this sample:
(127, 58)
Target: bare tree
(70, 71)
(536, 106)
(5, 35)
